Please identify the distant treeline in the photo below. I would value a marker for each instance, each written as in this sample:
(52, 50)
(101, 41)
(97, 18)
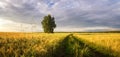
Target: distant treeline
(70, 32)
(93, 32)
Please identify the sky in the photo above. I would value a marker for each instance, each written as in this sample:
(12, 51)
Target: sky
(70, 15)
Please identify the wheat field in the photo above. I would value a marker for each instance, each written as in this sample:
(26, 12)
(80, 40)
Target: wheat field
(59, 44)
(103, 42)
(28, 44)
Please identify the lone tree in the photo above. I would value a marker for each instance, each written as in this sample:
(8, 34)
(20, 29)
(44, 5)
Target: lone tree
(48, 24)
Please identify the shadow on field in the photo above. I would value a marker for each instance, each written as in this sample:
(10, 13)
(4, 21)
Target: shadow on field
(73, 47)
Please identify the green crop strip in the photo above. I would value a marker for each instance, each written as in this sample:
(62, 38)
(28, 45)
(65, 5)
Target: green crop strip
(74, 47)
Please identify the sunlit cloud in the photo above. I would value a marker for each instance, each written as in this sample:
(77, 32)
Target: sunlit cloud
(79, 15)
(11, 26)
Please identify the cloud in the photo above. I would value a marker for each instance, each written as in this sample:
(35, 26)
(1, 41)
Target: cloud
(74, 14)
(10, 26)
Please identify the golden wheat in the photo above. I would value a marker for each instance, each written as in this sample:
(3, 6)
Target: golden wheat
(29, 44)
(110, 42)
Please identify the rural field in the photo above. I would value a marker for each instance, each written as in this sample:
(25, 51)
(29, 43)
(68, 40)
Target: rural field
(59, 28)
(59, 44)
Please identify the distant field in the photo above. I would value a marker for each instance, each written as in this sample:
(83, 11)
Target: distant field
(59, 45)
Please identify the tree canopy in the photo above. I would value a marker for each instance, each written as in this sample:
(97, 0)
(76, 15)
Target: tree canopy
(48, 24)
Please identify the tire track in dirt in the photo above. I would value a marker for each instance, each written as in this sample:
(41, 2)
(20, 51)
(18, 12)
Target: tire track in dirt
(73, 47)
